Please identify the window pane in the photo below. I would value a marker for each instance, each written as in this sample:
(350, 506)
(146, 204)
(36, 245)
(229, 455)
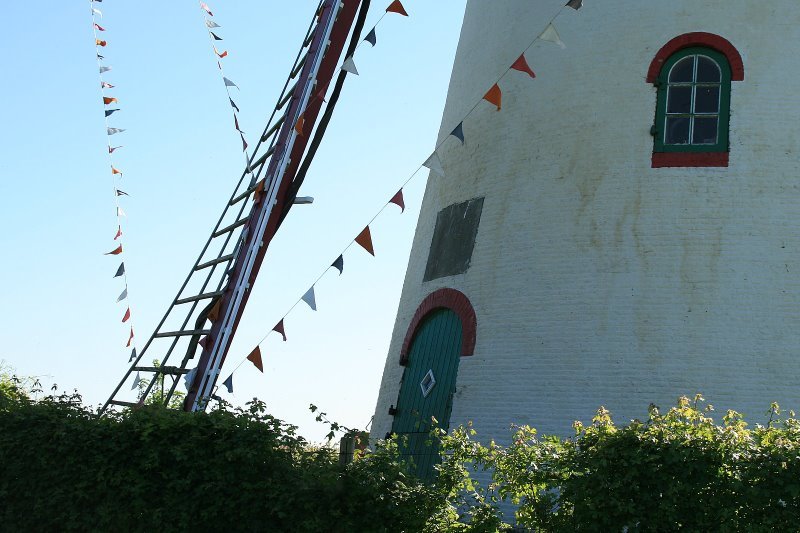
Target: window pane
(706, 100)
(705, 130)
(682, 71)
(677, 130)
(679, 99)
(707, 70)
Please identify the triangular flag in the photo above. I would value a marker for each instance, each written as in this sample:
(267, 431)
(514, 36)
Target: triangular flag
(136, 381)
(120, 192)
(112, 148)
(236, 123)
(219, 65)
(228, 384)
(213, 315)
(350, 66)
(127, 315)
(575, 4)
(211, 24)
(205, 8)
(434, 164)
(130, 339)
(215, 36)
(494, 96)
(108, 100)
(115, 171)
(308, 298)
(98, 27)
(551, 35)
(97, 12)
(114, 131)
(280, 329)
(110, 112)
(298, 126)
(244, 143)
(120, 212)
(255, 358)
(371, 38)
(188, 378)
(120, 270)
(106, 85)
(458, 132)
(233, 105)
(229, 83)
(101, 57)
(115, 251)
(119, 233)
(104, 69)
(339, 264)
(365, 240)
(204, 341)
(99, 42)
(133, 355)
(122, 296)
(396, 7)
(522, 65)
(397, 200)
(220, 55)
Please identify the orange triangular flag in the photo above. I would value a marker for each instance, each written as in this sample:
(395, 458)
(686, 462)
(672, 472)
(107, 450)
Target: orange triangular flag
(115, 171)
(119, 233)
(494, 96)
(365, 240)
(258, 192)
(522, 65)
(396, 7)
(255, 358)
(279, 329)
(98, 42)
(127, 315)
(214, 313)
(130, 339)
(221, 55)
(397, 200)
(298, 126)
(108, 100)
(115, 251)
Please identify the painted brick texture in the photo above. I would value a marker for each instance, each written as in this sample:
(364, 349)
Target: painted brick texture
(597, 279)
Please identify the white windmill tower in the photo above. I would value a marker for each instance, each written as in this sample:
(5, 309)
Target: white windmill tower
(623, 232)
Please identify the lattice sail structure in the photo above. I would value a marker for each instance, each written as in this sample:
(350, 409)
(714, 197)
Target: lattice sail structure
(197, 329)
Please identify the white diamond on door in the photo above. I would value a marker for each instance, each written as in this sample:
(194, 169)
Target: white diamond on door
(427, 383)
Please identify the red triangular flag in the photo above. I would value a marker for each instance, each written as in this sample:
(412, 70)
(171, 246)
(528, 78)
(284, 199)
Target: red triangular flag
(98, 42)
(258, 192)
(236, 123)
(522, 65)
(127, 315)
(298, 126)
(130, 339)
(119, 233)
(115, 171)
(115, 251)
(221, 55)
(255, 358)
(397, 199)
(109, 100)
(112, 148)
(396, 7)
(279, 329)
(365, 240)
(244, 143)
(494, 96)
(204, 341)
(98, 27)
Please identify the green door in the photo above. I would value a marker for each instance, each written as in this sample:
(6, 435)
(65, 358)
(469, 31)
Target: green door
(426, 391)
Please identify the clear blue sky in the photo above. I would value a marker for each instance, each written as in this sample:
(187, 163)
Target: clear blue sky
(181, 160)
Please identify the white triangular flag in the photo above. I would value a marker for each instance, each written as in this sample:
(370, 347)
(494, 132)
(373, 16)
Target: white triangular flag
(229, 83)
(189, 378)
(136, 381)
(350, 66)
(550, 34)
(212, 24)
(308, 298)
(112, 131)
(96, 11)
(434, 164)
(120, 212)
(123, 295)
(104, 69)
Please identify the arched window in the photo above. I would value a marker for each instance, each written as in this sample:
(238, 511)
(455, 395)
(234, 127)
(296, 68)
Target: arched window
(693, 74)
(694, 94)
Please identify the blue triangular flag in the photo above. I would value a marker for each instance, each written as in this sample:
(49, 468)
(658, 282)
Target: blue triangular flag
(228, 383)
(120, 270)
(233, 105)
(339, 264)
(371, 38)
(458, 132)
(110, 111)
(133, 355)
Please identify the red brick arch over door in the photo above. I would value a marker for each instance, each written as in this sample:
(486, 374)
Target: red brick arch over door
(451, 299)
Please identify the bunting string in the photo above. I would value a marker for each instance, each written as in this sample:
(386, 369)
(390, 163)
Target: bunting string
(432, 163)
(116, 174)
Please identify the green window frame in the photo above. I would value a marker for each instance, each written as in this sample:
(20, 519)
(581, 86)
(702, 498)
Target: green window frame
(686, 118)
